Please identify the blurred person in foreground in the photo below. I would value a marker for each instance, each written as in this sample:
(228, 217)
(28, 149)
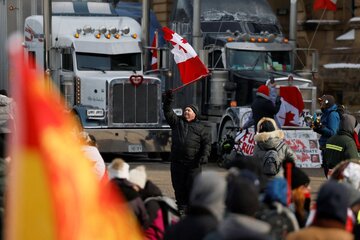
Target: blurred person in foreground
(119, 175)
(242, 203)
(91, 151)
(348, 173)
(331, 215)
(300, 192)
(190, 148)
(206, 208)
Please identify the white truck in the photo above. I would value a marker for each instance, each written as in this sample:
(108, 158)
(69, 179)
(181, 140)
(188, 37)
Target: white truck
(95, 59)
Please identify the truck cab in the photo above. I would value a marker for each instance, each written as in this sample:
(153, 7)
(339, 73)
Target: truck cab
(96, 62)
(243, 45)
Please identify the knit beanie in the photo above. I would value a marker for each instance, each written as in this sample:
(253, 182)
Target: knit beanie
(332, 201)
(118, 168)
(298, 177)
(194, 108)
(263, 90)
(138, 176)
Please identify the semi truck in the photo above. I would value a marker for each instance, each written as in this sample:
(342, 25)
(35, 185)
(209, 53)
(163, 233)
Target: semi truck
(96, 60)
(243, 45)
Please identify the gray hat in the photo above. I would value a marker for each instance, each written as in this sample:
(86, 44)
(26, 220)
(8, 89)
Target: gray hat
(194, 108)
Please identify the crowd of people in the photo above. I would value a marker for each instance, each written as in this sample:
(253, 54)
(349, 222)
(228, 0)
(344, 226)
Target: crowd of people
(263, 196)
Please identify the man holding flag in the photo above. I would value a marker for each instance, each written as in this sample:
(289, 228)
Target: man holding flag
(190, 138)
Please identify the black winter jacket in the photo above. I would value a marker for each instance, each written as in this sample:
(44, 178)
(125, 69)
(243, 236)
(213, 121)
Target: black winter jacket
(263, 107)
(190, 140)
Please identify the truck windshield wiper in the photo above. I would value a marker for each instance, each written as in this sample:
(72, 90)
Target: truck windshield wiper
(255, 63)
(92, 68)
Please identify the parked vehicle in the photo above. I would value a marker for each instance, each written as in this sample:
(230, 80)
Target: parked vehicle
(243, 45)
(96, 60)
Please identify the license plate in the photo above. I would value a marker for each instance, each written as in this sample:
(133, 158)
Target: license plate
(135, 148)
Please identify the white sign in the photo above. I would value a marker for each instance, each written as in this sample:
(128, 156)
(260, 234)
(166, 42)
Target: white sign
(305, 144)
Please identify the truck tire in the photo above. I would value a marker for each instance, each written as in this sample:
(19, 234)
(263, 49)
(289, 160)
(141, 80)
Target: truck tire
(223, 130)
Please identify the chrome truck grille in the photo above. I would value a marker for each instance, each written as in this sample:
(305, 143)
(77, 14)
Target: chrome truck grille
(130, 105)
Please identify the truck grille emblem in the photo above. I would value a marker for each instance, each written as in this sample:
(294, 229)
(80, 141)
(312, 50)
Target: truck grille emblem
(136, 80)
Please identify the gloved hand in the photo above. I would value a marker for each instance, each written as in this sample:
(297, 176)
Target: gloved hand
(317, 128)
(168, 96)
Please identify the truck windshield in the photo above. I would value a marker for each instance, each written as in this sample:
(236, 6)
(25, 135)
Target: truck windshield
(215, 10)
(259, 61)
(104, 62)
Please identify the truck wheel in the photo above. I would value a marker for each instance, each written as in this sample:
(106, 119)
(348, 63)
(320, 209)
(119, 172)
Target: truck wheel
(223, 131)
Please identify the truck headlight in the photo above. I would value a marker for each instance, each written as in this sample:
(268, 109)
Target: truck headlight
(95, 114)
(178, 111)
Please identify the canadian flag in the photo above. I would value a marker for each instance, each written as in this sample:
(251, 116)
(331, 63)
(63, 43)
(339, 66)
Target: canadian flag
(154, 56)
(325, 4)
(292, 105)
(190, 66)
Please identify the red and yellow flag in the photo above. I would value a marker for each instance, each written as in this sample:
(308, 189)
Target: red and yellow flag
(52, 191)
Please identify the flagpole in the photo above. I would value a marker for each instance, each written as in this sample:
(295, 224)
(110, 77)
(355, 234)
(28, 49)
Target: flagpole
(184, 85)
(317, 27)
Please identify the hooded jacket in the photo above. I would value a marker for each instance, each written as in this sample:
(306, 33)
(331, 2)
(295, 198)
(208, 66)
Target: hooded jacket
(190, 140)
(206, 208)
(270, 140)
(341, 146)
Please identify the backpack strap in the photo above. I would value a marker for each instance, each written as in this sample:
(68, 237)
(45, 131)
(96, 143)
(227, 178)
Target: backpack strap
(279, 146)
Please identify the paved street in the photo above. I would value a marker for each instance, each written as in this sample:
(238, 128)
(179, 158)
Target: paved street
(159, 173)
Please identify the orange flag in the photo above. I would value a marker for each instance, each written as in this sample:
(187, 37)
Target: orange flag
(52, 191)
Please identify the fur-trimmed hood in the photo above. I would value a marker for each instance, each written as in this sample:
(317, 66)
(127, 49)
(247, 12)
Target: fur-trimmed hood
(269, 139)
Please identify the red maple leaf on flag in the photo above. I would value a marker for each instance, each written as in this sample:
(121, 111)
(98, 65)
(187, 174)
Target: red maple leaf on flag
(289, 117)
(191, 68)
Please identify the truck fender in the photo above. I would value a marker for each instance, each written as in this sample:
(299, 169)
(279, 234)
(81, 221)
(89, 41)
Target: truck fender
(80, 113)
(230, 118)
